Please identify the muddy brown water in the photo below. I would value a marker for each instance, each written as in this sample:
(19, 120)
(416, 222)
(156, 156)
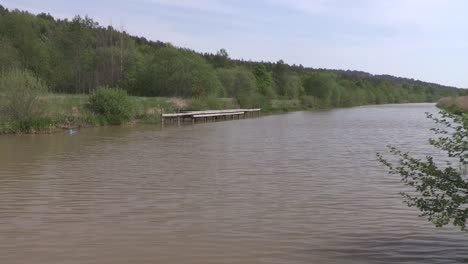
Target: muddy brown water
(302, 187)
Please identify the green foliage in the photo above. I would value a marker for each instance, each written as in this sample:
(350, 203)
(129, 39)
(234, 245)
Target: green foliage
(286, 105)
(322, 86)
(280, 73)
(32, 124)
(451, 108)
(457, 105)
(254, 100)
(439, 191)
(311, 102)
(112, 103)
(294, 87)
(20, 93)
(6, 127)
(237, 81)
(147, 107)
(264, 81)
(150, 118)
(221, 59)
(70, 104)
(9, 56)
(76, 56)
(211, 103)
(173, 72)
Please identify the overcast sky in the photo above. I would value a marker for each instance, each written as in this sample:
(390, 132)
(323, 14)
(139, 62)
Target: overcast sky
(421, 39)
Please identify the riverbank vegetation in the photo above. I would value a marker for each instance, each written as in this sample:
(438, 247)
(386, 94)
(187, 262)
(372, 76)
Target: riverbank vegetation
(456, 105)
(67, 60)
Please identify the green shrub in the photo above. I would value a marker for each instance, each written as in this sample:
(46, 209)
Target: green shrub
(94, 120)
(452, 108)
(150, 118)
(151, 106)
(69, 121)
(286, 105)
(197, 104)
(6, 127)
(254, 100)
(209, 103)
(311, 102)
(33, 124)
(111, 103)
(20, 95)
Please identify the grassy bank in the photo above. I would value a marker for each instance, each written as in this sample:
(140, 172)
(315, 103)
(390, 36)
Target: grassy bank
(73, 111)
(457, 105)
(66, 111)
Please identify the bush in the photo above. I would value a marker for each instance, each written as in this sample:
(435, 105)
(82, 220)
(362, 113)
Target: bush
(286, 105)
(6, 127)
(209, 103)
(311, 102)
(150, 118)
(111, 103)
(170, 71)
(457, 105)
(20, 93)
(254, 100)
(33, 124)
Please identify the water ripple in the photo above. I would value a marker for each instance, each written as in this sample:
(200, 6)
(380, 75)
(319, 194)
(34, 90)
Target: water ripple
(303, 187)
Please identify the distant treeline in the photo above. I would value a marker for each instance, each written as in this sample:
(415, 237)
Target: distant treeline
(79, 55)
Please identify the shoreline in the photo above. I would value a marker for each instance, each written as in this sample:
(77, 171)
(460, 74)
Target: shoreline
(154, 119)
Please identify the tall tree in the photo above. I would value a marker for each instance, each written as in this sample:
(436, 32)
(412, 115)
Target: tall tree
(280, 71)
(173, 72)
(264, 81)
(236, 81)
(221, 59)
(9, 56)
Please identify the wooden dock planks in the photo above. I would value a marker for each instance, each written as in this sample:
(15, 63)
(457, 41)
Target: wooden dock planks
(221, 114)
(206, 114)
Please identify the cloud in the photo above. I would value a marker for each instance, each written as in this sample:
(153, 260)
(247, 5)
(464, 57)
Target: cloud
(417, 13)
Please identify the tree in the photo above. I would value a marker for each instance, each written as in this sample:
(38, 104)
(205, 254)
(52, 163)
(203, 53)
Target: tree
(173, 72)
(26, 33)
(2, 10)
(439, 191)
(322, 86)
(280, 77)
(78, 55)
(112, 103)
(294, 87)
(237, 81)
(9, 57)
(221, 59)
(21, 92)
(264, 81)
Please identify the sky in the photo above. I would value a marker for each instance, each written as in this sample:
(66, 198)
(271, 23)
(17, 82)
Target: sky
(420, 39)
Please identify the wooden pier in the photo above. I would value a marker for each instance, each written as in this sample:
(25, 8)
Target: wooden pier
(208, 115)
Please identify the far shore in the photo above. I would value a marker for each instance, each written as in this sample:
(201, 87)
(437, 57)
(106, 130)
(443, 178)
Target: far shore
(67, 112)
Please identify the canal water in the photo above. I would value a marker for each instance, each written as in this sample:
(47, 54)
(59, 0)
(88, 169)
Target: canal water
(302, 187)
